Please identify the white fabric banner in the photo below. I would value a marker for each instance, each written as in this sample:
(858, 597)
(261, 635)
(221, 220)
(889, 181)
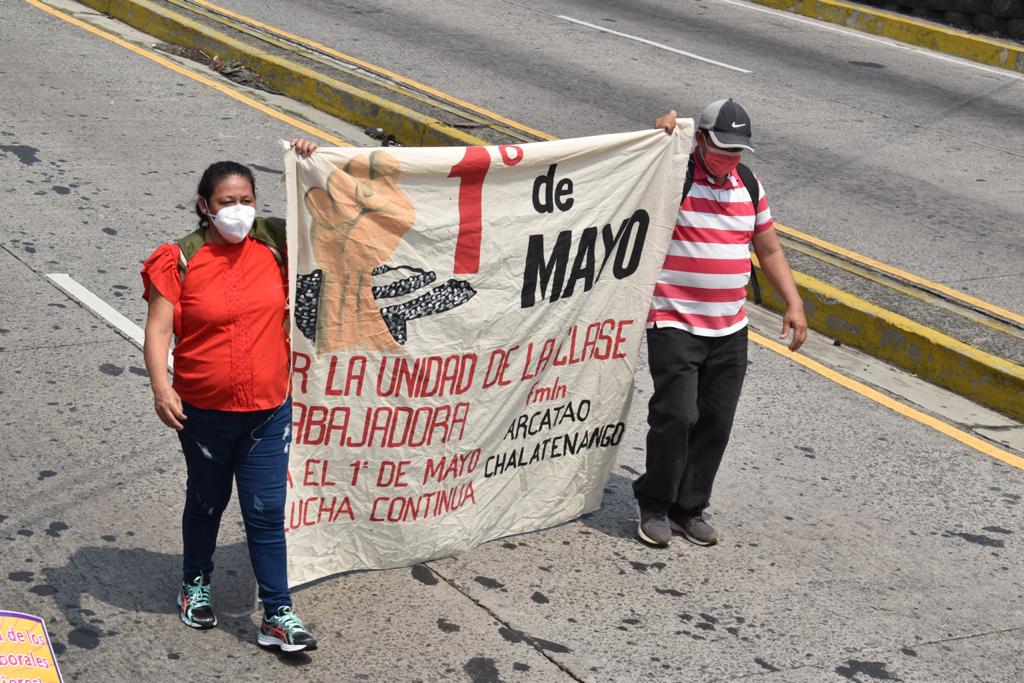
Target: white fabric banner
(466, 327)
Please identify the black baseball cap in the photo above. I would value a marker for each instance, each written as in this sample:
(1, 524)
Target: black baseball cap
(727, 123)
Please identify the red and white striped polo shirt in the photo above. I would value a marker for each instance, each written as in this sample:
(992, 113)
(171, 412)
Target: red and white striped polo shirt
(702, 286)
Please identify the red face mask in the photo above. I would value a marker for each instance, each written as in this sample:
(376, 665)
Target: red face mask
(717, 162)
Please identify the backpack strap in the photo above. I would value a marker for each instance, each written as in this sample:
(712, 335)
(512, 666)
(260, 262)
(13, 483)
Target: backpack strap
(272, 232)
(754, 189)
(269, 231)
(688, 183)
(187, 248)
(745, 174)
(750, 182)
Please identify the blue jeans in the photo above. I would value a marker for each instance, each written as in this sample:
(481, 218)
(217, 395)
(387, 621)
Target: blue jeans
(252, 448)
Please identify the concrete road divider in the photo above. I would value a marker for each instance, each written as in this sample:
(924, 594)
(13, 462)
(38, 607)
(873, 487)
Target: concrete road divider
(336, 97)
(983, 49)
(929, 353)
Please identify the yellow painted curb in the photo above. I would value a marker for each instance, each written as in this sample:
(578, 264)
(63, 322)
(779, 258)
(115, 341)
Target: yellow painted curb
(335, 97)
(931, 355)
(926, 34)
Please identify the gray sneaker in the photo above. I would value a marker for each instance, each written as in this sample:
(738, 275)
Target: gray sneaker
(695, 529)
(653, 528)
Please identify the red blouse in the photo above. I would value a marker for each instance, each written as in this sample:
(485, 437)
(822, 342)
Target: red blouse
(231, 351)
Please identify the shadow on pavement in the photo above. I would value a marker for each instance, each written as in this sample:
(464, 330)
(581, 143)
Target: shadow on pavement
(617, 515)
(142, 581)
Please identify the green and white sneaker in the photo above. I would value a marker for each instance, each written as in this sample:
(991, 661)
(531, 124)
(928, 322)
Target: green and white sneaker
(286, 631)
(194, 601)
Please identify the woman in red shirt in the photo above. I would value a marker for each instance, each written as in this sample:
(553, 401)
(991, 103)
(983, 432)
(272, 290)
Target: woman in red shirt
(223, 294)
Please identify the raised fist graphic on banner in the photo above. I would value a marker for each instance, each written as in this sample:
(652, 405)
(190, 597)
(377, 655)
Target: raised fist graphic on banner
(358, 221)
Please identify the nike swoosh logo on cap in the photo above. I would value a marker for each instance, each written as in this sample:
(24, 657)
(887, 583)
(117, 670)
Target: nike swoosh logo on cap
(738, 125)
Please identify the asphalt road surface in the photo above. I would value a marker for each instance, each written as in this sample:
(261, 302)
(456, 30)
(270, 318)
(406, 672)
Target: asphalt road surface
(859, 545)
(912, 158)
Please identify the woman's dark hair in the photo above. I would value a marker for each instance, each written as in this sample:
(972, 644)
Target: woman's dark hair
(215, 173)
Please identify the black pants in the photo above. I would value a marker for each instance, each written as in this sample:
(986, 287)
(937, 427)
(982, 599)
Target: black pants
(697, 383)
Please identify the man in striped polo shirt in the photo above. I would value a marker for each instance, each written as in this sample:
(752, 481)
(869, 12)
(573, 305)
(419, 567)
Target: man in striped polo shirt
(697, 327)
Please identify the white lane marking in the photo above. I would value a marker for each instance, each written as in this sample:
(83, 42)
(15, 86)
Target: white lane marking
(653, 44)
(854, 33)
(99, 307)
(104, 310)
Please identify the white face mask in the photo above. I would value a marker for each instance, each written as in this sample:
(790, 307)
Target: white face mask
(234, 222)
